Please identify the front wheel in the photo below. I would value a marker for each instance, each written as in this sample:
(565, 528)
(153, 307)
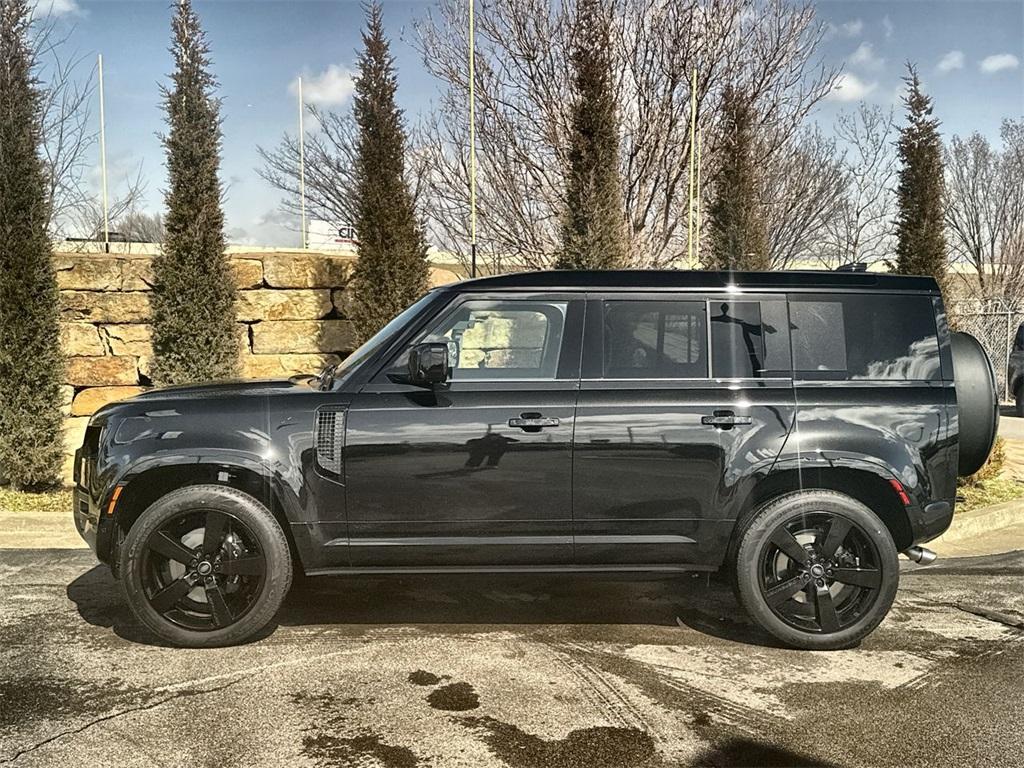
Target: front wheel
(817, 569)
(205, 566)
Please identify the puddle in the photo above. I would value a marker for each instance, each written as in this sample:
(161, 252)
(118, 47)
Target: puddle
(419, 677)
(457, 697)
(329, 750)
(599, 746)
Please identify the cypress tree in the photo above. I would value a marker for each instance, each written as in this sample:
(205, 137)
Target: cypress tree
(392, 270)
(194, 333)
(920, 232)
(594, 234)
(31, 366)
(736, 220)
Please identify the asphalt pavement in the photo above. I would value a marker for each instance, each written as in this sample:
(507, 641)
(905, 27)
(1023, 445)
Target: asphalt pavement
(521, 671)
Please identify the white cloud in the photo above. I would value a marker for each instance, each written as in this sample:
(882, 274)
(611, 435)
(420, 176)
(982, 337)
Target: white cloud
(331, 87)
(849, 87)
(852, 28)
(865, 57)
(949, 62)
(888, 26)
(58, 8)
(998, 62)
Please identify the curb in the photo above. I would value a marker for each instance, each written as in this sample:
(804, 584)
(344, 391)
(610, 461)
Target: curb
(982, 521)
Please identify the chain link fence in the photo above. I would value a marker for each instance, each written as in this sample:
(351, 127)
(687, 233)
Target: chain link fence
(994, 324)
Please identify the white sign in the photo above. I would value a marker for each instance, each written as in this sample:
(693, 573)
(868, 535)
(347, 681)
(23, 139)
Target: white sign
(331, 236)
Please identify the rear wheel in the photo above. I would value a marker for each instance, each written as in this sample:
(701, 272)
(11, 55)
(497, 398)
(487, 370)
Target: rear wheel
(205, 566)
(1018, 402)
(817, 569)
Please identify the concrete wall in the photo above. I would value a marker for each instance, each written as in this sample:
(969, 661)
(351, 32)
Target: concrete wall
(291, 319)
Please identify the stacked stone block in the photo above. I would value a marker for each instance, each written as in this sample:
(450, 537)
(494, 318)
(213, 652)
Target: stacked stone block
(291, 320)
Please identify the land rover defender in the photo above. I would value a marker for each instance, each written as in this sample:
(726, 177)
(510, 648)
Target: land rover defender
(799, 429)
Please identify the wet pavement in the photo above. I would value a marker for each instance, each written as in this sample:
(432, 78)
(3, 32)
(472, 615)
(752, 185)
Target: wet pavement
(523, 671)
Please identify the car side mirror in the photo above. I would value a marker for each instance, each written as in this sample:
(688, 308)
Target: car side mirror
(428, 365)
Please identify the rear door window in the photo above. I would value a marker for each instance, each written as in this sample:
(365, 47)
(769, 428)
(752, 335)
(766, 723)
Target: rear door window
(749, 339)
(864, 337)
(655, 340)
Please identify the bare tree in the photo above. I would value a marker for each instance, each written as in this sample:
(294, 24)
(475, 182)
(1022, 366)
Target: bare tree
(806, 191)
(329, 154)
(329, 177)
(863, 227)
(70, 135)
(83, 214)
(985, 212)
(139, 227)
(67, 130)
(523, 108)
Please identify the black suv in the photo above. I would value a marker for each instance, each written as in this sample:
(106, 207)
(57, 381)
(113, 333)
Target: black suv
(799, 429)
(1015, 372)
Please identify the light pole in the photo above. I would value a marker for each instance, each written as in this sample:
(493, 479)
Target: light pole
(472, 144)
(302, 169)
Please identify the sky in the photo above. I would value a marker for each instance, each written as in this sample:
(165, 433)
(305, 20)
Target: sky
(969, 53)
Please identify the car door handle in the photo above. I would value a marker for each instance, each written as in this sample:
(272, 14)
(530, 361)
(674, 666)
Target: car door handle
(532, 422)
(725, 420)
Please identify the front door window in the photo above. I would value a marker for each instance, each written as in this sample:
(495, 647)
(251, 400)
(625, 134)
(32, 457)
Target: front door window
(501, 340)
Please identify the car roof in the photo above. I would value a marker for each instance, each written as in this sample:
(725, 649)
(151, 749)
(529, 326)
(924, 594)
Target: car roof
(677, 279)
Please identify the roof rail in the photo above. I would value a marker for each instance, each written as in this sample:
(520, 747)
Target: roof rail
(853, 266)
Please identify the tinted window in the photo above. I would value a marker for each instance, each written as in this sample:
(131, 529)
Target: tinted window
(655, 339)
(502, 339)
(749, 339)
(879, 338)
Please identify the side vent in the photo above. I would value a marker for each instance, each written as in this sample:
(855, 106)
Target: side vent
(330, 439)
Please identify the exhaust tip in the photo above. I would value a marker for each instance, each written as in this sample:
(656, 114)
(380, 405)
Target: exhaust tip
(920, 555)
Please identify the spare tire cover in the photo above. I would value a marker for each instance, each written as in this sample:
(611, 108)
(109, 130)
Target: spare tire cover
(976, 400)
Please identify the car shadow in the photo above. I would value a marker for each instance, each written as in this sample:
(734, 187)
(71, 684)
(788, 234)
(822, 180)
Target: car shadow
(615, 605)
(748, 752)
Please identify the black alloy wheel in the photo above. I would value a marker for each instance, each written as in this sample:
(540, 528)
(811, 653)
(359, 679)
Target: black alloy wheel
(202, 569)
(205, 566)
(816, 569)
(820, 572)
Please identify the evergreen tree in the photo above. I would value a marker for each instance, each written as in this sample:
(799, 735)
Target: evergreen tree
(594, 234)
(392, 270)
(920, 232)
(194, 333)
(736, 220)
(31, 366)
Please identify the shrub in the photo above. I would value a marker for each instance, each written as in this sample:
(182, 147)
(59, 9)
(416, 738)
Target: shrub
(31, 366)
(194, 332)
(992, 466)
(392, 270)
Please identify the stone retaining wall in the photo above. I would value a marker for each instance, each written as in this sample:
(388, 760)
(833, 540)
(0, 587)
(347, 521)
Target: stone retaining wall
(291, 319)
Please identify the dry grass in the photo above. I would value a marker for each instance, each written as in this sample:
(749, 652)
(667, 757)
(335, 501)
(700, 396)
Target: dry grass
(984, 493)
(50, 501)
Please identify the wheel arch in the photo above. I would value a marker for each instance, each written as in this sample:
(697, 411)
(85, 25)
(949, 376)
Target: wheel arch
(141, 489)
(870, 486)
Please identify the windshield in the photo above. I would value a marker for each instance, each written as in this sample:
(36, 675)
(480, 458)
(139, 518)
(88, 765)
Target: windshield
(382, 336)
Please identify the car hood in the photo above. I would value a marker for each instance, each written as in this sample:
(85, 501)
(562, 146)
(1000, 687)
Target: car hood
(235, 391)
(236, 388)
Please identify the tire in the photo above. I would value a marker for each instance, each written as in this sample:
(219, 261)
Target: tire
(1018, 403)
(794, 607)
(977, 402)
(205, 566)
